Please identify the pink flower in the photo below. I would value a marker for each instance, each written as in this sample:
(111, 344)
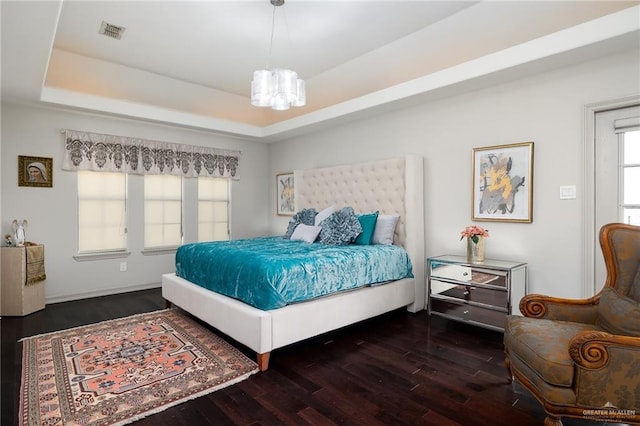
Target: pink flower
(474, 232)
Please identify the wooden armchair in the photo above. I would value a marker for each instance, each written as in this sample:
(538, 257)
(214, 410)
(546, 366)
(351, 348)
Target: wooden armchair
(581, 358)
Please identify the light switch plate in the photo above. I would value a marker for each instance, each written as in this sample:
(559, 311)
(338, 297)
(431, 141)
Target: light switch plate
(568, 192)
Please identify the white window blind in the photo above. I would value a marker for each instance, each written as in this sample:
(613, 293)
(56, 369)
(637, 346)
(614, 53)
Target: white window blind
(630, 177)
(213, 209)
(628, 124)
(102, 212)
(162, 211)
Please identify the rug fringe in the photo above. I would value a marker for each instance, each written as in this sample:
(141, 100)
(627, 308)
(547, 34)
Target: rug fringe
(96, 323)
(189, 398)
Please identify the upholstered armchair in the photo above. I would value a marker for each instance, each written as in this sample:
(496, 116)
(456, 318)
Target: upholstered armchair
(581, 358)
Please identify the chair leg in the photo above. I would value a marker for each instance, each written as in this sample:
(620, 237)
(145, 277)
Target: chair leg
(552, 421)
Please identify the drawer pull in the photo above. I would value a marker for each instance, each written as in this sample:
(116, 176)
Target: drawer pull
(466, 312)
(465, 274)
(466, 292)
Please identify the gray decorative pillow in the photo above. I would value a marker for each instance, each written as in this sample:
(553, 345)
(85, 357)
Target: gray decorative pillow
(385, 228)
(340, 228)
(306, 216)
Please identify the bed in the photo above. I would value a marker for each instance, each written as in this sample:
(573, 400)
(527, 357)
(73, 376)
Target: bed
(392, 186)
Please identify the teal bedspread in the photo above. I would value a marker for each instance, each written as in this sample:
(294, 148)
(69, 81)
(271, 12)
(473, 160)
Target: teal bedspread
(271, 272)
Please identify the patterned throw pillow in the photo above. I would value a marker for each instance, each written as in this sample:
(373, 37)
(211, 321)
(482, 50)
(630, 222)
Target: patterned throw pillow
(305, 216)
(341, 228)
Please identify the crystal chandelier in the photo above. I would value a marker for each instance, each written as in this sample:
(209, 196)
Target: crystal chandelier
(277, 88)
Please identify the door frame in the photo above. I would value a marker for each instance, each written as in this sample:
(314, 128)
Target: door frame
(589, 206)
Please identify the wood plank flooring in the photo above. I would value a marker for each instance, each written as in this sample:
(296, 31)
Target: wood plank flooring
(397, 369)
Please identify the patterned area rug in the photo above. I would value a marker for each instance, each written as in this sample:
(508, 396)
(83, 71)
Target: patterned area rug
(118, 371)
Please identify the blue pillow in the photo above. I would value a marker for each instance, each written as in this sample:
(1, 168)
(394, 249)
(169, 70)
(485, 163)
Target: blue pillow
(305, 216)
(368, 223)
(341, 228)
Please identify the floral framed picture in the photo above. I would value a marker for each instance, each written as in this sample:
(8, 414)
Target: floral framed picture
(35, 171)
(284, 199)
(503, 183)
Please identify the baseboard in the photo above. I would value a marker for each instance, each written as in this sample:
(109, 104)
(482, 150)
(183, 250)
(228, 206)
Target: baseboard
(101, 292)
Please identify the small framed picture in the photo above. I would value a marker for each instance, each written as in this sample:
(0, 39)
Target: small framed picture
(284, 199)
(35, 171)
(503, 183)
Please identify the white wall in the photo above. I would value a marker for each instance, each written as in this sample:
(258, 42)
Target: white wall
(546, 109)
(35, 131)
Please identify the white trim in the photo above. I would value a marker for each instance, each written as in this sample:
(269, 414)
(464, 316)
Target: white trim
(160, 250)
(100, 292)
(87, 257)
(588, 179)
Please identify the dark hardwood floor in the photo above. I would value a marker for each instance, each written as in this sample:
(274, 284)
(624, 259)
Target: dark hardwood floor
(397, 369)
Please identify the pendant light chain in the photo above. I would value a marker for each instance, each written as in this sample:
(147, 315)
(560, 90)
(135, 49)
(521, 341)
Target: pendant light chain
(273, 30)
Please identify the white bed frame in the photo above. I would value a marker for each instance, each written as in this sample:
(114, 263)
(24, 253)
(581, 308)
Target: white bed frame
(393, 186)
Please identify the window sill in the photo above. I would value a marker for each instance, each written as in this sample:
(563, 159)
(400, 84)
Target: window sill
(85, 257)
(156, 251)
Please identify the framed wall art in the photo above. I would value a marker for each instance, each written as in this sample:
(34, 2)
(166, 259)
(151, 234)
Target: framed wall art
(503, 183)
(35, 171)
(284, 199)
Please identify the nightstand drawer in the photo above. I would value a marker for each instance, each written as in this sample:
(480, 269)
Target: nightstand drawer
(471, 293)
(453, 272)
(466, 312)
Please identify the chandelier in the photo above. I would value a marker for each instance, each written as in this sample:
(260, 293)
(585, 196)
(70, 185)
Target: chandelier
(277, 88)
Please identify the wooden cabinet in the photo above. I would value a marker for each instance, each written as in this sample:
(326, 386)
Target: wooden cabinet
(482, 294)
(18, 298)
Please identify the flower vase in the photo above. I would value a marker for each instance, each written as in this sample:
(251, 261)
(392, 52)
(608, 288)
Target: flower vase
(475, 251)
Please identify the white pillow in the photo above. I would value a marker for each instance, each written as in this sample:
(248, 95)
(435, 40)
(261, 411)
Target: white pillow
(306, 233)
(324, 214)
(385, 227)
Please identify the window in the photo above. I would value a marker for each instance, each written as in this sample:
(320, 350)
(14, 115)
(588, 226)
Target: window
(102, 212)
(613, 162)
(213, 209)
(162, 211)
(630, 178)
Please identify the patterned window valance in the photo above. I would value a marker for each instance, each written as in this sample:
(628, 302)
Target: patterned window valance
(108, 153)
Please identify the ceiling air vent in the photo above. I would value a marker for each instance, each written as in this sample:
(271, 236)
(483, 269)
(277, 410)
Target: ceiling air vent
(111, 30)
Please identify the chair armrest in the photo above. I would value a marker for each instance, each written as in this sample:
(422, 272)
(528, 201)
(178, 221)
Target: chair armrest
(555, 308)
(606, 374)
(590, 349)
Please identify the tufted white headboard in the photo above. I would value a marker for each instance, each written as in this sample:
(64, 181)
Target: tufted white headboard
(393, 186)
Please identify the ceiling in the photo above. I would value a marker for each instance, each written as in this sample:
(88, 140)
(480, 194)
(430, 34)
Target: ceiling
(191, 63)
